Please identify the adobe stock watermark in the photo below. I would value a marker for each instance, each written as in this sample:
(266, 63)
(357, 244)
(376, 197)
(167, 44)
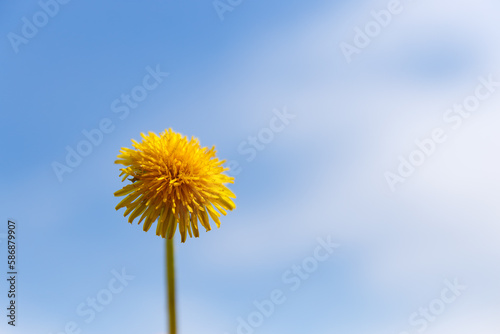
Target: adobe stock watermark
(31, 26)
(250, 147)
(452, 117)
(89, 309)
(425, 316)
(222, 6)
(121, 107)
(381, 19)
(292, 279)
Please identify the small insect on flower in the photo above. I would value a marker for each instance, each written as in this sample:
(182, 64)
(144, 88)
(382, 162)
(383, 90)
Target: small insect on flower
(175, 181)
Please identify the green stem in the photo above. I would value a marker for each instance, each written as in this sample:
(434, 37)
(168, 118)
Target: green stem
(171, 286)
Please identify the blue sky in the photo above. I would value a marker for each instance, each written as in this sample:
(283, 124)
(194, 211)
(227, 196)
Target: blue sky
(322, 175)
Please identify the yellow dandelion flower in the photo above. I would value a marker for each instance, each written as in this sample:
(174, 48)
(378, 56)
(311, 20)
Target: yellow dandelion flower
(175, 181)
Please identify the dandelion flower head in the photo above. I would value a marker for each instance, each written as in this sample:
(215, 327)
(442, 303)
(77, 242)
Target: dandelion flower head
(174, 181)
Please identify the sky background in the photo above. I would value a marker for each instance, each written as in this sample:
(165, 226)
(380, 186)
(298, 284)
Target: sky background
(322, 176)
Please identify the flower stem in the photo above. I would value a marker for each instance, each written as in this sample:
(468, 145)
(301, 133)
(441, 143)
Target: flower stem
(171, 286)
